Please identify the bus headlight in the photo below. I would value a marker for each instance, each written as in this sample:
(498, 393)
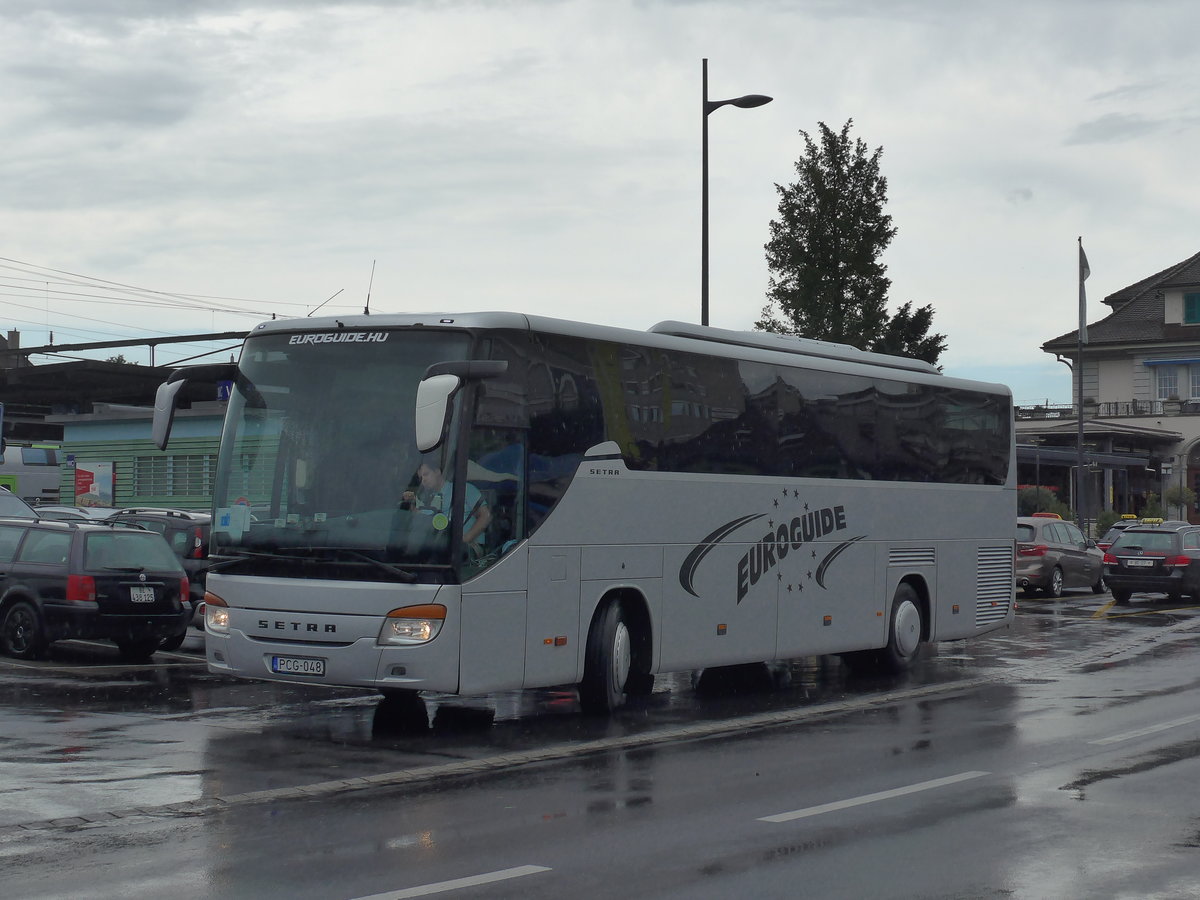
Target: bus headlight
(216, 614)
(412, 625)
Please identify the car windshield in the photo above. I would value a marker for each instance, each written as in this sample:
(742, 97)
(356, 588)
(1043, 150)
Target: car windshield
(121, 549)
(12, 505)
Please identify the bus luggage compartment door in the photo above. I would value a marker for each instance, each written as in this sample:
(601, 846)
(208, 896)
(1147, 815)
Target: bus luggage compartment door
(552, 649)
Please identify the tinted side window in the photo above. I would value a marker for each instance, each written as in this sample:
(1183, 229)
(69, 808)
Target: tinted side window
(1191, 540)
(1074, 535)
(148, 524)
(51, 547)
(10, 536)
(1024, 533)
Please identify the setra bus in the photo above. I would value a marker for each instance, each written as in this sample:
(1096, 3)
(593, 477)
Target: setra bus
(467, 503)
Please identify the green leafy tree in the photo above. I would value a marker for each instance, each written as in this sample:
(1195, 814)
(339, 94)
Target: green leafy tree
(1181, 498)
(1040, 499)
(827, 281)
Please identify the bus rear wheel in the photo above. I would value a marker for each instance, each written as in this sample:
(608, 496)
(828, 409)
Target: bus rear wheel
(905, 632)
(607, 662)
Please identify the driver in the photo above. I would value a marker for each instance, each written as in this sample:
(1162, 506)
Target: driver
(433, 498)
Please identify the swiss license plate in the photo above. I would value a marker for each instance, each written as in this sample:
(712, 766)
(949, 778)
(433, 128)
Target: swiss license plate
(1140, 563)
(140, 593)
(298, 665)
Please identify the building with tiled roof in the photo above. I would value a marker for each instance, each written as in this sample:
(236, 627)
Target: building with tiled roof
(1141, 391)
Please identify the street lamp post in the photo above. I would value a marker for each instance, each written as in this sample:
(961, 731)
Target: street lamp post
(747, 102)
(1164, 471)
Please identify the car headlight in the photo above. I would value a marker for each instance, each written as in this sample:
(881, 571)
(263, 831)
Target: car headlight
(216, 614)
(412, 625)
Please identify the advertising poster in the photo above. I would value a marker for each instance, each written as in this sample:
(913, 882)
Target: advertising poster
(93, 483)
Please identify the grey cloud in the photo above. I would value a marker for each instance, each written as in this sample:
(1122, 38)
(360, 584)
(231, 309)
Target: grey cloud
(1113, 127)
(153, 96)
(1126, 91)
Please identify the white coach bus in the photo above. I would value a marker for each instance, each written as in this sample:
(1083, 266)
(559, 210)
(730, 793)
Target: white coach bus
(491, 501)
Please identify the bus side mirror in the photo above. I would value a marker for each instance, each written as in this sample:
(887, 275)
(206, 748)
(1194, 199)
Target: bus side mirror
(165, 399)
(433, 410)
(441, 380)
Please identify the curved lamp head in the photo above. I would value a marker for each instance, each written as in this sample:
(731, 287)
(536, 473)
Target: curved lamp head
(749, 101)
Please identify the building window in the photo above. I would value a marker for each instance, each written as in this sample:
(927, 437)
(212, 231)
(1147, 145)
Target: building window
(1194, 382)
(1191, 309)
(1167, 378)
(174, 476)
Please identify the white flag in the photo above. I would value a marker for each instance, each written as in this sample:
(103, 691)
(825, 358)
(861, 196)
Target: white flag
(1084, 272)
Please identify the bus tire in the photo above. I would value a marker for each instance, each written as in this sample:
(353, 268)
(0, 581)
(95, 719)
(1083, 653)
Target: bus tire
(607, 662)
(21, 633)
(905, 631)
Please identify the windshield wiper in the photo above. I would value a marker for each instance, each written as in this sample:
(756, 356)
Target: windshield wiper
(402, 574)
(240, 555)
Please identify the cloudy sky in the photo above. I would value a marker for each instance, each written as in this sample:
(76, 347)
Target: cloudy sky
(174, 167)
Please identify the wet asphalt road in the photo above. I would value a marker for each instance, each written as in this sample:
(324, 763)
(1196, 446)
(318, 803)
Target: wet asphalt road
(1055, 760)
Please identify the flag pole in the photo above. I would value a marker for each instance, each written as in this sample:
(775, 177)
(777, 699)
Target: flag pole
(1081, 339)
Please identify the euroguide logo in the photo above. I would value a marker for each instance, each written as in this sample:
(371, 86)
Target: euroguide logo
(787, 536)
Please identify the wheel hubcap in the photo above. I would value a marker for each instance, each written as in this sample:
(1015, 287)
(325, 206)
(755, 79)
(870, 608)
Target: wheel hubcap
(621, 658)
(908, 629)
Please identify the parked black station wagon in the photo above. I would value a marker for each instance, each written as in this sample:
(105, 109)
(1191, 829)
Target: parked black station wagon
(61, 580)
(1154, 559)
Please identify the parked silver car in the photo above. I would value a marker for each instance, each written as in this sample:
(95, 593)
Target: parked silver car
(1053, 554)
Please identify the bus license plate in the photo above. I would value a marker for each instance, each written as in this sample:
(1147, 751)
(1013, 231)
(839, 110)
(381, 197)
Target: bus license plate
(140, 593)
(1139, 562)
(298, 665)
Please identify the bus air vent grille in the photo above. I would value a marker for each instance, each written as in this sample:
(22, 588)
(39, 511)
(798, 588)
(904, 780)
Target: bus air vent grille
(994, 589)
(911, 556)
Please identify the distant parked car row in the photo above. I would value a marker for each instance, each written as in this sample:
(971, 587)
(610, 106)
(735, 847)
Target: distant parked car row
(135, 576)
(1135, 556)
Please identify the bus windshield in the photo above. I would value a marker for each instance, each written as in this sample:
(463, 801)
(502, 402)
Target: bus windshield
(318, 451)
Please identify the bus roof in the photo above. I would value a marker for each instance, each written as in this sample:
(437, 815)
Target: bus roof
(664, 334)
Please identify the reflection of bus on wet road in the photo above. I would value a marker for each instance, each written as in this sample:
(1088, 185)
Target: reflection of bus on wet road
(31, 471)
(674, 499)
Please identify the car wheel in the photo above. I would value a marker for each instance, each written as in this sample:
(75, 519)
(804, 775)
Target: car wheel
(1055, 588)
(173, 643)
(607, 662)
(1121, 596)
(1098, 587)
(21, 633)
(139, 650)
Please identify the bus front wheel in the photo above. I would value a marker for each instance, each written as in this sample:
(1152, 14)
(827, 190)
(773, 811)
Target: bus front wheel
(904, 635)
(607, 662)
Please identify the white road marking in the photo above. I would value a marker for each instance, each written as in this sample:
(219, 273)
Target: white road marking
(425, 890)
(1142, 732)
(872, 798)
